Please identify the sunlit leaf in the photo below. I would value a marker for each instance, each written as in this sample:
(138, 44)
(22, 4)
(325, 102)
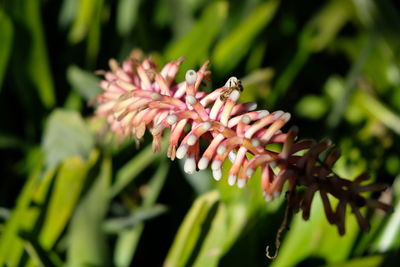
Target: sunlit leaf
(24, 216)
(127, 12)
(73, 174)
(311, 107)
(193, 229)
(87, 244)
(234, 46)
(66, 134)
(87, 10)
(84, 82)
(196, 44)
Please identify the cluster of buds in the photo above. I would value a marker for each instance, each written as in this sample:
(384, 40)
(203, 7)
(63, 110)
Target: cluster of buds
(136, 97)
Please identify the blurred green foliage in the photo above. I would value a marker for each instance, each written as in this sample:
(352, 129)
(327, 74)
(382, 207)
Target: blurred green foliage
(72, 194)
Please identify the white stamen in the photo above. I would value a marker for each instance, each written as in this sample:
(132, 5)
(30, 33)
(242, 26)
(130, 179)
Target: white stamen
(252, 106)
(241, 183)
(206, 125)
(232, 179)
(203, 163)
(155, 96)
(181, 151)
(190, 165)
(246, 119)
(234, 96)
(267, 197)
(190, 99)
(286, 116)
(191, 140)
(262, 114)
(191, 77)
(217, 174)
(255, 142)
(221, 150)
(216, 164)
(232, 156)
(249, 172)
(277, 114)
(172, 119)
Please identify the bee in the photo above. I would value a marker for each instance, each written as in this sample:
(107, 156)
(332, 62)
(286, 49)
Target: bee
(232, 84)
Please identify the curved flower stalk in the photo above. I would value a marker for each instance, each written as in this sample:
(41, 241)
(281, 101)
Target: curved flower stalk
(136, 97)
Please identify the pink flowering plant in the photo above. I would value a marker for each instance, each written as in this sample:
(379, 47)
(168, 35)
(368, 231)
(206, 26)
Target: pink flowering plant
(137, 97)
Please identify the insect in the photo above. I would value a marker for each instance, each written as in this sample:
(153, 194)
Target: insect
(232, 84)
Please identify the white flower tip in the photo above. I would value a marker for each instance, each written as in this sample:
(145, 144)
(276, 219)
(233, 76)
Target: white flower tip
(172, 119)
(181, 152)
(262, 114)
(272, 164)
(190, 99)
(276, 194)
(191, 77)
(241, 183)
(216, 164)
(246, 119)
(190, 165)
(255, 142)
(191, 140)
(155, 96)
(267, 197)
(206, 125)
(252, 106)
(232, 156)
(277, 114)
(234, 96)
(203, 163)
(232, 179)
(249, 172)
(286, 117)
(217, 174)
(221, 150)
(232, 81)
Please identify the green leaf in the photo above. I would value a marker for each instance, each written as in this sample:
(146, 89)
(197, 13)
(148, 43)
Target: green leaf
(7, 32)
(128, 240)
(369, 261)
(31, 57)
(316, 237)
(73, 174)
(68, 12)
(117, 225)
(130, 170)
(314, 37)
(66, 134)
(87, 244)
(88, 9)
(84, 82)
(312, 107)
(24, 216)
(195, 45)
(127, 13)
(379, 110)
(234, 47)
(193, 229)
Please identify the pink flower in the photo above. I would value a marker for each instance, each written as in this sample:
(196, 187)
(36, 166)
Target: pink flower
(136, 97)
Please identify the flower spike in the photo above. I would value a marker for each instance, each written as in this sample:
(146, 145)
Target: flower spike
(136, 97)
